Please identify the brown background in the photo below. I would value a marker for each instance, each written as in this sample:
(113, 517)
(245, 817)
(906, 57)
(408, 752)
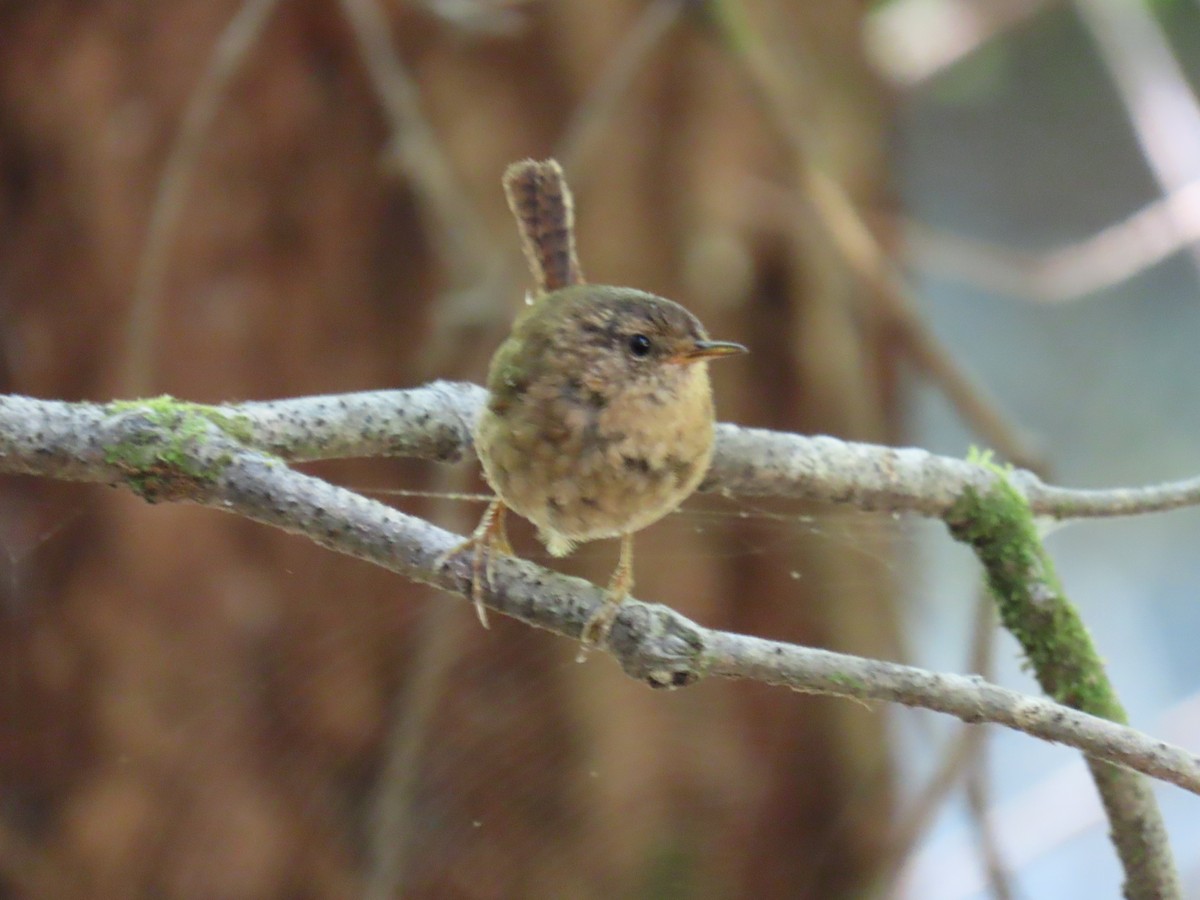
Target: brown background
(195, 706)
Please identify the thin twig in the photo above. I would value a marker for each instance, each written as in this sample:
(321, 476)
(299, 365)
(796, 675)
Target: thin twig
(1114, 254)
(983, 658)
(913, 41)
(392, 829)
(835, 212)
(596, 109)
(820, 671)
(998, 876)
(478, 270)
(464, 247)
(170, 199)
(916, 821)
(461, 238)
(1160, 103)
(960, 757)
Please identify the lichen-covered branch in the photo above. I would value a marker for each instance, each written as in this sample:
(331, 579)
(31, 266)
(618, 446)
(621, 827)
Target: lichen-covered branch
(435, 422)
(998, 525)
(166, 450)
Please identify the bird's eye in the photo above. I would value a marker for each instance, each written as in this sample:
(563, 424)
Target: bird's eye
(639, 345)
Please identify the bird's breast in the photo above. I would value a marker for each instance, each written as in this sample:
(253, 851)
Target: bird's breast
(581, 467)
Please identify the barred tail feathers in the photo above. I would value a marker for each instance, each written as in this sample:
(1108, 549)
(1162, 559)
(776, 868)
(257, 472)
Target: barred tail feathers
(541, 201)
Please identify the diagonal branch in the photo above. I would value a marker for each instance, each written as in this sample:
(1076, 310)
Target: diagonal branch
(1060, 652)
(831, 207)
(1162, 108)
(462, 240)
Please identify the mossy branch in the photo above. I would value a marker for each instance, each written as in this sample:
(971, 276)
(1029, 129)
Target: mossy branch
(998, 525)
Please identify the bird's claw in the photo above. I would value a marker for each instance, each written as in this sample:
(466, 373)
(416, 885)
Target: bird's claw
(489, 538)
(596, 628)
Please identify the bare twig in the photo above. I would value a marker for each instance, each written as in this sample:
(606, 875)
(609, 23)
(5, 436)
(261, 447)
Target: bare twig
(983, 653)
(994, 863)
(1112, 255)
(477, 268)
(462, 240)
(597, 108)
(913, 41)
(752, 461)
(467, 253)
(179, 452)
(393, 830)
(916, 821)
(1158, 99)
(834, 211)
(820, 671)
(961, 756)
(494, 18)
(230, 52)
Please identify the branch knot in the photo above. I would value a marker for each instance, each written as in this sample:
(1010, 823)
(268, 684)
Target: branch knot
(658, 646)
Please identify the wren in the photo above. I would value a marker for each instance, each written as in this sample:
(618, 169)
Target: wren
(599, 415)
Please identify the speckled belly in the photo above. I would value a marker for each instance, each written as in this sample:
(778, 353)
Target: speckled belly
(587, 478)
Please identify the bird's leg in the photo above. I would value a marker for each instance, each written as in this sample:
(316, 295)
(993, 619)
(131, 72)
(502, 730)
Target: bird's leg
(596, 628)
(489, 538)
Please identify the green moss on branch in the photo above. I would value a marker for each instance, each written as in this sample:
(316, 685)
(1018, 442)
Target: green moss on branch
(999, 526)
(165, 461)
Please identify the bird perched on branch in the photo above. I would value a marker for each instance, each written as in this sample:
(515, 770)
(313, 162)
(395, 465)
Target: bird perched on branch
(599, 417)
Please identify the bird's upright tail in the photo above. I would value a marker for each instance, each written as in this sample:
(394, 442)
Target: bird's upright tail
(539, 197)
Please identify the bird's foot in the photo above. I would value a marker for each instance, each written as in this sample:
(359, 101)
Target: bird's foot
(596, 628)
(489, 538)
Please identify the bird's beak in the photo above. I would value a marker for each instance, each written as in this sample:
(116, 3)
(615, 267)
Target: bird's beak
(702, 350)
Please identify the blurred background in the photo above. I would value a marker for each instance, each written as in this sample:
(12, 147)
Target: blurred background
(938, 222)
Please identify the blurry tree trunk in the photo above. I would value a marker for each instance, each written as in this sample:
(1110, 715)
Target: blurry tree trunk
(196, 707)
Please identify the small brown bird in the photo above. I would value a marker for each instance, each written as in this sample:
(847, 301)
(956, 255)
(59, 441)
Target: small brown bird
(599, 418)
